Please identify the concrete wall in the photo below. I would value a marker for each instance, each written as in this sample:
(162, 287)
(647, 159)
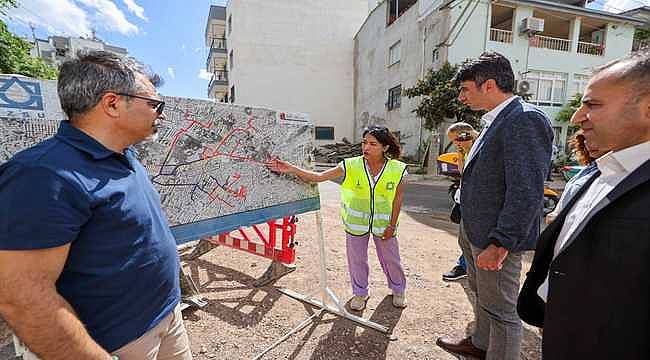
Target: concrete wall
(374, 76)
(296, 56)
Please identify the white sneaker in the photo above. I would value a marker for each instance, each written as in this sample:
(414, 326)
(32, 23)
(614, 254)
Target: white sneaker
(358, 302)
(399, 300)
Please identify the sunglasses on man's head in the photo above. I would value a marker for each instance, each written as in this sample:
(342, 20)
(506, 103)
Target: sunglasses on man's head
(464, 137)
(158, 105)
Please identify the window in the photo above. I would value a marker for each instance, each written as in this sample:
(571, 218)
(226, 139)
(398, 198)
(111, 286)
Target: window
(232, 94)
(435, 55)
(547, 88)
(229, 24)
(579, 84)
(394, 53)
(231, 59)
(397, 8)
(324, 132)
(394, 97)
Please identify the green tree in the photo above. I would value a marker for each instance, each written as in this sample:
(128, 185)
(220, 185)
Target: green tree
(14, 53)
(5, 4)
(567, 111)
(440, 98)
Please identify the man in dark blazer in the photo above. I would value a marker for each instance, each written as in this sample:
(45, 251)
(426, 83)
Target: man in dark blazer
(589, 284)
(501, 202)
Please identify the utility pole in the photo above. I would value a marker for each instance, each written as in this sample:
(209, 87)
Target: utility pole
(33, 27)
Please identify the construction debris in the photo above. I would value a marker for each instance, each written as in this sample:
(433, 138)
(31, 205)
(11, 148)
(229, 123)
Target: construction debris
(335, 153)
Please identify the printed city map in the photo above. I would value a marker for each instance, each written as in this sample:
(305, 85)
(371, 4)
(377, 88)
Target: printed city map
(207, 163)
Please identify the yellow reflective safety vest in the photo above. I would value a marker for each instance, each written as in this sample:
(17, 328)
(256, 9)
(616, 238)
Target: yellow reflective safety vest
(365, 208)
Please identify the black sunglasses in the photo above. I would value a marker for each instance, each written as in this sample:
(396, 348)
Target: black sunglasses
(160, 105)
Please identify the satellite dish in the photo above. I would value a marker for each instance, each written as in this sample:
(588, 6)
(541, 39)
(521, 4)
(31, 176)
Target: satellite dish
(523, 87)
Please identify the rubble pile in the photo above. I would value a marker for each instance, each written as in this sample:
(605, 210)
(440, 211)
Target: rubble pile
(335, 153)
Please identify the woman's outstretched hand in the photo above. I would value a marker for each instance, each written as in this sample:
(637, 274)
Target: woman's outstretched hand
(280, 166)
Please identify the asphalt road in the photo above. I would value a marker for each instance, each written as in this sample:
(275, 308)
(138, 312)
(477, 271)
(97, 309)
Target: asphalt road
(422, 198)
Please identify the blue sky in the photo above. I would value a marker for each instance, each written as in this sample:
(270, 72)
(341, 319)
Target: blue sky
(167, 35)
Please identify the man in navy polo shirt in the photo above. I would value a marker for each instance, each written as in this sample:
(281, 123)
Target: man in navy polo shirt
(88, 265)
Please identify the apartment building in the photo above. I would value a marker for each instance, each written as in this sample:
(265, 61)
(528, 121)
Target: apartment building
(288, 55)
(57, 49)
(215, 41)
(552, 46)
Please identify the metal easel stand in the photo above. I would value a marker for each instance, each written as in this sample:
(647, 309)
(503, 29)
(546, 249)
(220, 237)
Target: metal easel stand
(334, 306)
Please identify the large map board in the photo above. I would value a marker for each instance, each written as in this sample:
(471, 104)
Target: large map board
(207, 163)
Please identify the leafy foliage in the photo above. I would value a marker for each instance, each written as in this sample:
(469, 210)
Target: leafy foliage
(5, 4)
(15, 58)
(569, 109)
(440, 99)
(642, 33)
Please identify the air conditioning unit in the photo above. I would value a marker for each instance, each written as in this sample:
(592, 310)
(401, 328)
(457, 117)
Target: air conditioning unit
(532, 25)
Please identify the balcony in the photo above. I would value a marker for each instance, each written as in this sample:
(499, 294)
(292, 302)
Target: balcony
(503, 36)
(590, 48)
(558, 32)
(216, 25)
(217, 55)
(551, 43)
(218, 85)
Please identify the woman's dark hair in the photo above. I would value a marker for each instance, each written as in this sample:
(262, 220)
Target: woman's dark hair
(580, 149)
(386, 138)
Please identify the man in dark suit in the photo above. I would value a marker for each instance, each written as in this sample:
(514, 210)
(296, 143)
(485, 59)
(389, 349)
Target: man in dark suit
(501, 201)
(588, 286)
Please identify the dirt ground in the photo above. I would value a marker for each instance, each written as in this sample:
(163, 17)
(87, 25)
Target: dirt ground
(241, 321)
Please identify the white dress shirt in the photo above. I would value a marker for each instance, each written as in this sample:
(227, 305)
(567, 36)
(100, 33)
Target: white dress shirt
(487, 121)
(614, 167)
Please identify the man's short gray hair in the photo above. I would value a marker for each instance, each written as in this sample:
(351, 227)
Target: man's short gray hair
(635, 72)
(84, 80)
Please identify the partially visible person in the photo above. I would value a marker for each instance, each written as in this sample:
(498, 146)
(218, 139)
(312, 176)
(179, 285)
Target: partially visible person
(586, 158)
(462, 135)
(88, 264)
(501, 204)
(555, 153)
(371, 200)
(589, 282)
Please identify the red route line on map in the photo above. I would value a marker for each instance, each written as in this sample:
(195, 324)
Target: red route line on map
(242, 189)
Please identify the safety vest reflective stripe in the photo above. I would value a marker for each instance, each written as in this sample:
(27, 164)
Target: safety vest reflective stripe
(355, 227)
(381, 217)
(359, 214)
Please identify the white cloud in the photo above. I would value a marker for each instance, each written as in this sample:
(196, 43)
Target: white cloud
(72, 17)
(171, 72)
(136, 9)
(109, 16)
(63, 17)
(204, 74)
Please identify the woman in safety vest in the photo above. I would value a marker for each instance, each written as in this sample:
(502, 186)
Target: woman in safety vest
(371, 199)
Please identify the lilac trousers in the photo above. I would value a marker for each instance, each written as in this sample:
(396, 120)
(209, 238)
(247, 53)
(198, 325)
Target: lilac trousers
(388, 255)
